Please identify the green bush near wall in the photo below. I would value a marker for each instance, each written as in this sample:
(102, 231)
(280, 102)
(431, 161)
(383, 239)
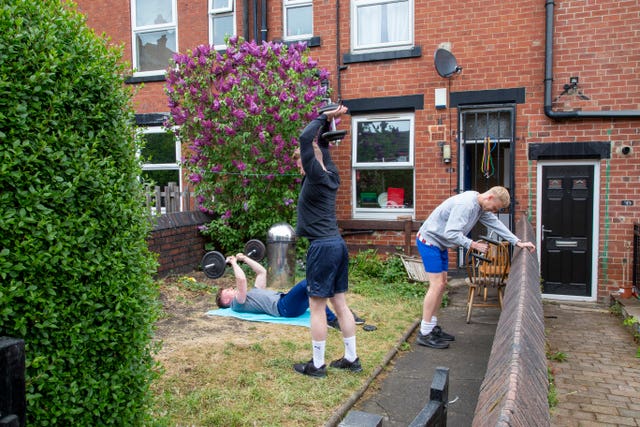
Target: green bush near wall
(75, 272)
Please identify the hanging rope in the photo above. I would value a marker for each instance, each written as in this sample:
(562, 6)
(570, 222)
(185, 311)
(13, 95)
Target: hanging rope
(486, 167)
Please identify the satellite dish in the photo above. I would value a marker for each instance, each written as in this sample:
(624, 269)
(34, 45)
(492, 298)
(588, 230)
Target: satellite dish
(446, 64)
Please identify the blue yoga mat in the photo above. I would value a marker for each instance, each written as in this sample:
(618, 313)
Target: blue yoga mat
(302, 320)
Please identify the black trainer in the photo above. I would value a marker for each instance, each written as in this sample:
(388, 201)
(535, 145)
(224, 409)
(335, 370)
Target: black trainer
(309, 369)
(358, 319)
(438, 332)
(431, 340)
(343, 363)
(334, 324)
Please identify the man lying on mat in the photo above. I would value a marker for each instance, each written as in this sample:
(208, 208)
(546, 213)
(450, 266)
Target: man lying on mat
(261, 300)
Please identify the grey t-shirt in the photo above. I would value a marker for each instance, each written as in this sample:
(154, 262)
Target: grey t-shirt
(449, 223)
(258, 301)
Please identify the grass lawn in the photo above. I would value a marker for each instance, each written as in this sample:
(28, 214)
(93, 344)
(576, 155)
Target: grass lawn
(219, 371)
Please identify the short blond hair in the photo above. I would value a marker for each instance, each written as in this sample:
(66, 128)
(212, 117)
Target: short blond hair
(501, 194)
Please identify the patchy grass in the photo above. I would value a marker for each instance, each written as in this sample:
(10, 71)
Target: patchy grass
(220, 371)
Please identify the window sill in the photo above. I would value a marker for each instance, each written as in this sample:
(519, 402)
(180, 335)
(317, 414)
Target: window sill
(311, 41)
(414, 52)
(145, 79)
(382, 214)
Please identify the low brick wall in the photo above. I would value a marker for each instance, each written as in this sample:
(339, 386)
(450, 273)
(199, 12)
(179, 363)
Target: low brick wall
(178, 242)
(515, 387)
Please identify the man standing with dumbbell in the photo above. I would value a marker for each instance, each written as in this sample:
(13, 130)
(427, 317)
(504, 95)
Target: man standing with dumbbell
(327, 256)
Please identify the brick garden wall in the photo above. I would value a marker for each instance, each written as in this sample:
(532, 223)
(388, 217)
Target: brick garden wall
(515, 386)
(178, 242)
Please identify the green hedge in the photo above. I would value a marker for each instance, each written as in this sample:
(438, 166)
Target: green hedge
(76, 277)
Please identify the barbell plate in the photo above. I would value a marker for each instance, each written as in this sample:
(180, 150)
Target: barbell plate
(255, 250)
(328, 107)
(334, 135)
(214, 264)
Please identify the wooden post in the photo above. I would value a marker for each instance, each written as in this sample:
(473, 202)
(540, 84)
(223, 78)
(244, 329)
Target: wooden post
(13, 403)
(434, 414)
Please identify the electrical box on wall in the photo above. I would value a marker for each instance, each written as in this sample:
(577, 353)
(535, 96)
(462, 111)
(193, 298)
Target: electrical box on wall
(441, 98)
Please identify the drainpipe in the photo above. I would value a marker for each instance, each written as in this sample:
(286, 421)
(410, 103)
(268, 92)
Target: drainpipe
(339, 67)
(263, 31)
(245, 18)
(548, 80)
(255, 19)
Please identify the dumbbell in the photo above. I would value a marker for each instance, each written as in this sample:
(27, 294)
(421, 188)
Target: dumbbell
(214, 263)
(333, 135)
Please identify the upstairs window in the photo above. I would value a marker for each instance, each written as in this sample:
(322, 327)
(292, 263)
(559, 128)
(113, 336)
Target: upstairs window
(298, 19)
(222, 22)
(154, 24)
(383, 166)
(381, 25)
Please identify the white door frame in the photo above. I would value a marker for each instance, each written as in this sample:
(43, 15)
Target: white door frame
(595, 231)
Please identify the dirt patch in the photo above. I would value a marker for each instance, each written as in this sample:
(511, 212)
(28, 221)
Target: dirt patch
(186, 332)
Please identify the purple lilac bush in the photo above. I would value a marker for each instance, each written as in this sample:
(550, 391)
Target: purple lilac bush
(238, 113)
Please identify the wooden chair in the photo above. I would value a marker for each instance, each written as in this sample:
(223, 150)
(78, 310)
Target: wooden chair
(484, 271)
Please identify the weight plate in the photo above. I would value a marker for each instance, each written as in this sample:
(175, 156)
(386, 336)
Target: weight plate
(328, 107)
(255, 250)
(214, 264)
(334, 135)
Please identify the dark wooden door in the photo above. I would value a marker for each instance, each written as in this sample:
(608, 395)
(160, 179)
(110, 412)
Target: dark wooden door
(567, 229)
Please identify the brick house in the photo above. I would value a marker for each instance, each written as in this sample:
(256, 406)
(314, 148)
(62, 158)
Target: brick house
(542, 97)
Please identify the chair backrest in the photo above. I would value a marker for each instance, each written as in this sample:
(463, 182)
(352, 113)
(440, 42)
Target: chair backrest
(491, 268)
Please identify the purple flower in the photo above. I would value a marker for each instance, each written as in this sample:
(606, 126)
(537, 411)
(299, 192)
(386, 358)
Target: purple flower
(226, 215)
(239, 164)
(195, 178)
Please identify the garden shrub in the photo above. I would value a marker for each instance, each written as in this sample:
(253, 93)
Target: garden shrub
(239, 113)
(76, 277)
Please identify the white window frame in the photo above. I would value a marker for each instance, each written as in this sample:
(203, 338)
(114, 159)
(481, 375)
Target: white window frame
(356, 5)
(165, 166)
(221, 12)
(135, 30)
(294, 4)
(386, 213)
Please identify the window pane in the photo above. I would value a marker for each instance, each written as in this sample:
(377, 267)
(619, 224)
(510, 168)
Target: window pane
(495, 125)
(222, 26)
(153, 12)
(383, 23)
(161, 177)
(155, 49)
(299, 21)
(383, 141)
(159, 148)
(221, 4)
(384, 188)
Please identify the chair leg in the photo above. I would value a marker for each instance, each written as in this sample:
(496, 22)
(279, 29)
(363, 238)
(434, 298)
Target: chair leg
(470, 298)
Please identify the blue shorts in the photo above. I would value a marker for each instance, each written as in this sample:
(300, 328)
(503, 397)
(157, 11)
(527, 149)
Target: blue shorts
(434, 259)
(327, 267)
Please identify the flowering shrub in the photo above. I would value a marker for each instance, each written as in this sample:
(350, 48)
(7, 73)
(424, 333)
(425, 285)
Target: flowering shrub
(238, 114)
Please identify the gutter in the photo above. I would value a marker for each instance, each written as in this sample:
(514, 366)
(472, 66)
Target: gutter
(548, 81)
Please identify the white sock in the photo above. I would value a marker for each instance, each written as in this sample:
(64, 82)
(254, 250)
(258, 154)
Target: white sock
(434, 320)
(318, 353)
(350, 348)
(426, 327)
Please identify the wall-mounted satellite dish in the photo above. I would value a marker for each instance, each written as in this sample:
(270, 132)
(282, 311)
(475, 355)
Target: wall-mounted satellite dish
(446, 64)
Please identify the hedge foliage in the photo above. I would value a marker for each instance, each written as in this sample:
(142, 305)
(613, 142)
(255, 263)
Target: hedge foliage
(76, 277)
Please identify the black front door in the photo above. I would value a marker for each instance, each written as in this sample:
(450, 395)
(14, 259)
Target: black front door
(567, 229)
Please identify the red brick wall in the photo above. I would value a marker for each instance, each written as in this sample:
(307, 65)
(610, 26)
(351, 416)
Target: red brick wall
(499, 45)
(178, 242)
